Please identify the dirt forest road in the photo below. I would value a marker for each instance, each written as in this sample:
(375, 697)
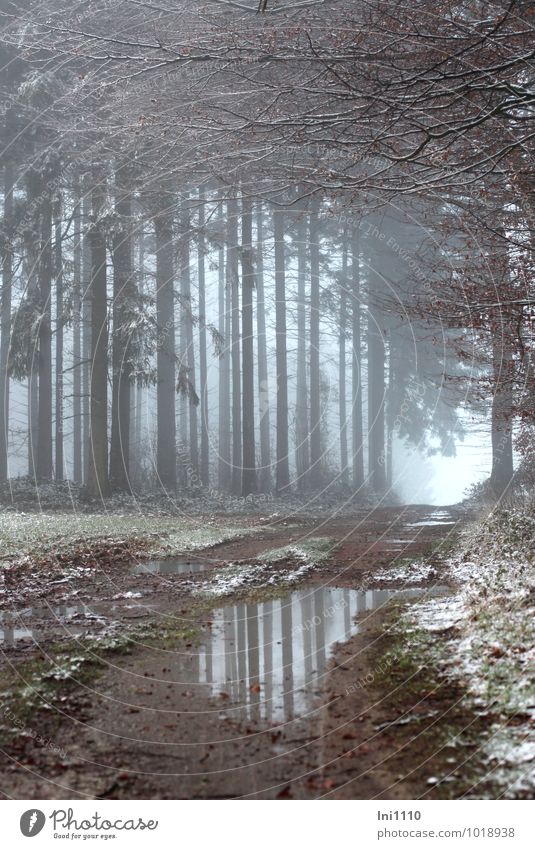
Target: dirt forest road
(267, 691)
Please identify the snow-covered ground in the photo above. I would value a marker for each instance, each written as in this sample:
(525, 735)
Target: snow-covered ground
(487, 637)
(42, 534)
(300, 559)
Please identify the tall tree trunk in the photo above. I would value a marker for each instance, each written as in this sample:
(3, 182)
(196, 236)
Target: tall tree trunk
(302, 454)
(32, 260)
(165, 317)
(187, 309)
(182, 400)
(287, 671)
(44, 466)
(253, 660)
(5, 327)
(390, 417)
(224, 463)
(98, 483)
(502, 415)
(281, 356)
(376, 390)
(135, 448)
(58, 269)
(357, 448)
(33, 418)
(234, 281)
(249, 482)
(344, 471)
(315, 408)
(203, 368)
(76, 341)
(86, 332)
(123, 305)
(265, 479)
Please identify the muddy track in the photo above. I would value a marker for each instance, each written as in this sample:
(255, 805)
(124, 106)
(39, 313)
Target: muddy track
(291, 710)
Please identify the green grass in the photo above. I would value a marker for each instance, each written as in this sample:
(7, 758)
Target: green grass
(39, 535)
(443, 738)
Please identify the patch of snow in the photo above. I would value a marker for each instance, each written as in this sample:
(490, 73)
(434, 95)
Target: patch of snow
(438, 614)
(489, 636)
(315, 550)
(129, 594)
(235, 578)
(428, 523)
(415, 572)
(511, 759)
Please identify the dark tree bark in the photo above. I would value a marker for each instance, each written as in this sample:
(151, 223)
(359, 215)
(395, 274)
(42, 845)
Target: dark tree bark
(282, 481)
(165, 317)
(344, 470)
(315, 409)
(249, 482)
(32, 237)
(98, 485)
(136, 429)
(203, 369)
(224, 462)
(86, 332)
(182, 400)
(5, 327)
(123, 304)
(58, 270)
(502, 415)
(33, 418)
(390, 415)
(77, 340)
(189, 358)
(376, 389)
(357, 448)
(44, 466)
(234, 282)
(302, 453)
(265, 478)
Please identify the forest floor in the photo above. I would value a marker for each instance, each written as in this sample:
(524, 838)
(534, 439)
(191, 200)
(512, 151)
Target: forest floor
(248, 656)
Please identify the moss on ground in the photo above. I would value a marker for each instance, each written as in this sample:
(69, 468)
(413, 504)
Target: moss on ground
(435, 726)
(47, 681)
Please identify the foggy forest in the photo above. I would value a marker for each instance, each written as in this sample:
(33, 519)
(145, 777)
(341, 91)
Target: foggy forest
(267, 399)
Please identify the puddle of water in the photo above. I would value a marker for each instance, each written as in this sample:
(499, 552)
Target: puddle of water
(58, 620)
(427, 523)
(437, 517)
(10, 635)
(270, 658)
(172, 567)
(62, 611)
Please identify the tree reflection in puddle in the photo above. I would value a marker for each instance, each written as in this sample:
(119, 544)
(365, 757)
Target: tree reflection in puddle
(266, 661)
